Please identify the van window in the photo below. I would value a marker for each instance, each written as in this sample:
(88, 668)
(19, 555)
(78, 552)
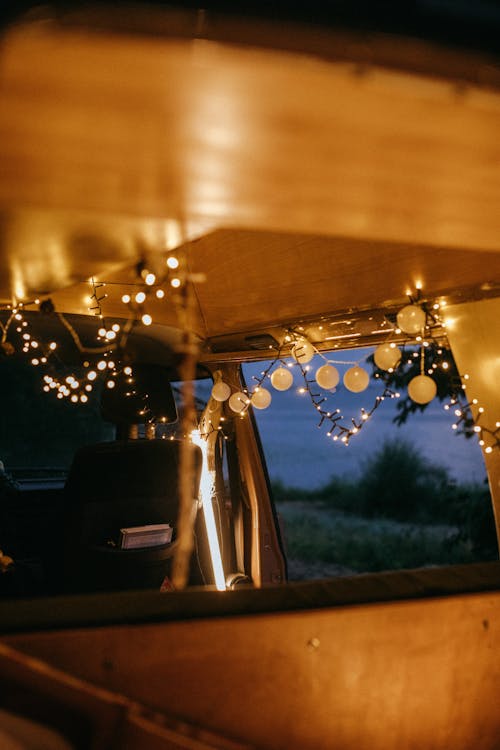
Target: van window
(395, 497)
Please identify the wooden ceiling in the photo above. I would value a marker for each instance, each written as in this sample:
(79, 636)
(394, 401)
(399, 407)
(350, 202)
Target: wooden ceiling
(298, 180)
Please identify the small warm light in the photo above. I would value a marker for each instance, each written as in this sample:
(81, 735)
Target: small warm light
(172, 262)
(115, 327)
(74, 398)
(111, 364)
(150, 279)
(481, 410)
(88, 387)
(488, 449)
(52, 346)
(140, 297)
(160, 293)
(34, 344)
(110, 384)
(477, 428)
(91, 375)
(445, 365)
(175, 283)
(418, 284)
(110, 335)
(101, 365)
(101, 332)
(126, 299)
(147, 319)
(84, 398)
(127, 370)
(35, 362)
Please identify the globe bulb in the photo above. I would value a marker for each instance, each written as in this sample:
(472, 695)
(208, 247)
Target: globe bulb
(356, 379)
(238, 402)
(282, 379)
(303, 351)
(261, 398)
(422, 389)
(327, 377)
(411, 319)
(221, 391)
(386, 356)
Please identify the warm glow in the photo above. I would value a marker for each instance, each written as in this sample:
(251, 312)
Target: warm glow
(206, 486)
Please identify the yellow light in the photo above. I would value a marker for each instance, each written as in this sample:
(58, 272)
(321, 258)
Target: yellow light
(126, 299)
(110, 335)
(140, 297)
(88, 387)
(101, 332)
(74, 398)
(488, 449)
(175, 283)
(207, 482)
(418, 285)
(150, 279)
(172, 262)
(160, 293)
(84, 398)
(110, 384)
(111, 364)
(115, 327)
(52, 345)
(101, 365)
(147, 319)
(127, 370)
(91, 375)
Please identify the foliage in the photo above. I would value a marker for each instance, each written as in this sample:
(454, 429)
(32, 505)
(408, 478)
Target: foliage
(447, 380)
(403, 511)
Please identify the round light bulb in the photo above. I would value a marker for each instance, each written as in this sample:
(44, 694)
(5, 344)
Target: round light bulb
(147, 319)
(327, 376)
(282, 379)
(356, 379)
(140, 297)
(126, 299)
(422, 389)
(302, 351)
(411, 319)
(386, 356)
(221, 391)
(160, 293)
(150, 279)
(261, 398)
(101, 365)
(172, 262)
(238, 402)
(91, 375)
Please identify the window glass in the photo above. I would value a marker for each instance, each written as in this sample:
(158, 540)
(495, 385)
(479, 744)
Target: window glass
(395, 497)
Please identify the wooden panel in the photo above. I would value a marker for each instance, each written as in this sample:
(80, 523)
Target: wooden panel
(197, 134)
(394, 676)
(260, 278)
(474, 335)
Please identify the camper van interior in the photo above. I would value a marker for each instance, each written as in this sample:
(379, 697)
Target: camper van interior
(238, 247)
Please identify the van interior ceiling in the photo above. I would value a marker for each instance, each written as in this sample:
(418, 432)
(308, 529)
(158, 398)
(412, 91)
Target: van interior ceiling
(187, 194)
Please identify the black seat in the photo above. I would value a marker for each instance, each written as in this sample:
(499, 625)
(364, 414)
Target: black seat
(117, 485)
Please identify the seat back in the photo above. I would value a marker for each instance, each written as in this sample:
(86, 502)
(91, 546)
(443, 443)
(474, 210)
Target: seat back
(116, 485)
